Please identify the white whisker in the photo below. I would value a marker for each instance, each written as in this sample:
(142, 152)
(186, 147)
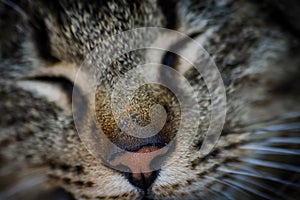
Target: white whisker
(249, 189)
(291, 115)
(259, 185)
(271, 164)
(215, 193)
(280, 118)
(242, 167)
(220, 195)
(226, 184)
(256, 147)
(255, 175)
(290, 140)
(282, 127)
(16, 8)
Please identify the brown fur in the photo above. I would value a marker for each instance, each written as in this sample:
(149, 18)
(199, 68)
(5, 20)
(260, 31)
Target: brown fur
(259, 64)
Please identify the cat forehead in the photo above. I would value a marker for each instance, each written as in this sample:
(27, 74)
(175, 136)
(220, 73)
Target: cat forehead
(71, 29)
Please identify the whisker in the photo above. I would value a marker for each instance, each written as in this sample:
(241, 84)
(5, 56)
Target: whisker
(264, 133)
(275, 128)
(285, 187)
(286, 116)
(215, 193)
(242, 167)
(291, 115)
(219, 194)
(250, 172)
(255, 175)
(281, 127)
(271, 164)
(259, 185)
(16, 8)
(226, 184)
(249, 189)
(280, 140)
(272, 150)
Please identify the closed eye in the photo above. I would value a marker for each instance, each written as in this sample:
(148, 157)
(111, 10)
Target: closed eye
(56, 89)
(170, 59)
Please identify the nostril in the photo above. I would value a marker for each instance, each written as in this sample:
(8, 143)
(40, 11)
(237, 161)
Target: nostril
(140, 172)
(142, 180)
(138, 162)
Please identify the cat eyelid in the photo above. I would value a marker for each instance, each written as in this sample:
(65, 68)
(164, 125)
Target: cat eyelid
(56, 90)
(177, 62)
(55, 83)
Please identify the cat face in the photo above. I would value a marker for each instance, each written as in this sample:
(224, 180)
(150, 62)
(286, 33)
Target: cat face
(43, 131)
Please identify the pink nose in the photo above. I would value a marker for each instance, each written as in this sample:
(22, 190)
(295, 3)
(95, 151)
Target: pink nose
(139, 163)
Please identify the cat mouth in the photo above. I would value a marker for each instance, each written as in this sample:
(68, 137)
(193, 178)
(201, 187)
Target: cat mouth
(142, 167)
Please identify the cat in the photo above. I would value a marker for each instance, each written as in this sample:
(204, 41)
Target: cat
(44, 44)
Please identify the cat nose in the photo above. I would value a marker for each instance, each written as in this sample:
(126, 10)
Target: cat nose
(143, 180)
(139, 163)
